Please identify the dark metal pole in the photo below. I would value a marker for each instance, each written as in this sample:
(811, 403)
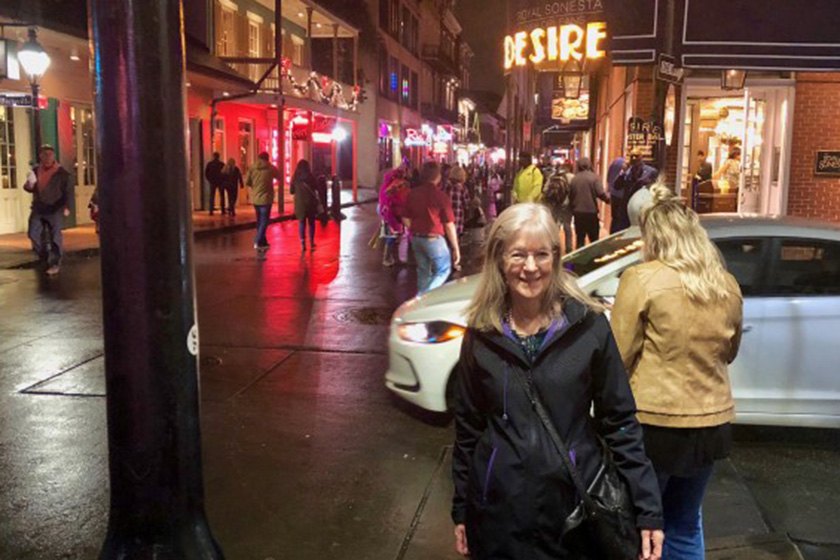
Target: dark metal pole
(36, 119)
(151, 340)
(660, 86)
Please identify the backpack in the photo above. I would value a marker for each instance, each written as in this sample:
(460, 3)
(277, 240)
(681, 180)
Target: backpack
(556, 191)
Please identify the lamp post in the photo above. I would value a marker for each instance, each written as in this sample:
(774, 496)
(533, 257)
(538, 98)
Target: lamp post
(35, 62)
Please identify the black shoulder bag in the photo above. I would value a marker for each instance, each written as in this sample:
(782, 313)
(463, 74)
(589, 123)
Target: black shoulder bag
(603, 525)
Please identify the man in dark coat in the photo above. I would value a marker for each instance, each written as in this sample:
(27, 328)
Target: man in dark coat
(585, 190)
(49, 184)
(213, 174)
(638, 175)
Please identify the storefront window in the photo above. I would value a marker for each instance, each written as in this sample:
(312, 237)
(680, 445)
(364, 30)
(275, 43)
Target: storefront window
(8, 166)
(246, 144)
(84, 145)
(219, 137)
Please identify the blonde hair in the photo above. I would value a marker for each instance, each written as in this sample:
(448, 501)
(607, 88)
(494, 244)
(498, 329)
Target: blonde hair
(672, 235)
(491, 301)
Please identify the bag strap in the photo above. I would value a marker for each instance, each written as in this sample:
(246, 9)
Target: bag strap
(542, 413)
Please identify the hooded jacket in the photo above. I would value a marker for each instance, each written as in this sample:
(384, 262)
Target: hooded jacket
(511, 489)
(261, 177)
(585, 189)
(527, 185)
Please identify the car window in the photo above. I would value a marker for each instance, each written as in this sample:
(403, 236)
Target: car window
(603, 252)
(744, 259)
(807, 267)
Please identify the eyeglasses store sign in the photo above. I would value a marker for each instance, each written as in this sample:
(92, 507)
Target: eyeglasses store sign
(556, 43)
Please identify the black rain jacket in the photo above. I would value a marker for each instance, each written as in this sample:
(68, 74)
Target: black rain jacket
(511, 489)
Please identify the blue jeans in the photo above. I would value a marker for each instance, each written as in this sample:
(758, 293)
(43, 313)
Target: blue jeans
(302, 229)
(682, 500)
(48, 225)
(263, 212)
(433, 262)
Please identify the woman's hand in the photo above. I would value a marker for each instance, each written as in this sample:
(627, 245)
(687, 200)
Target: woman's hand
(652, 540)
(461, 540)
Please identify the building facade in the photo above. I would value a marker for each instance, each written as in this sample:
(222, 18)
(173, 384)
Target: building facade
(762, 91)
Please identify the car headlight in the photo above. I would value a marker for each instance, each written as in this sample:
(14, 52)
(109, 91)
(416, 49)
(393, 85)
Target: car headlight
(433, 332)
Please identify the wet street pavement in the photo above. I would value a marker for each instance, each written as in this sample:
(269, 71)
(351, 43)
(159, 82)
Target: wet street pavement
(307, 456)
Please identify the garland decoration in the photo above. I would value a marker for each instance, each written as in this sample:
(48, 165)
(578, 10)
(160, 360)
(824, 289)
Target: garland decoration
(320, 88)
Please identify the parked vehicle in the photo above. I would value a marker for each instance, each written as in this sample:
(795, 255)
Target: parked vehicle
(788, 369)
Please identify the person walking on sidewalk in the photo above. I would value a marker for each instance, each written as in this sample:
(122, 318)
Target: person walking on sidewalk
(428, 216)
(457, 196)
(232, 182)
(532, 331)
(305, 190)
(528, 183)
(677, 321)
(213, 174)
(260, 180)
(585, 190)
(49, 184)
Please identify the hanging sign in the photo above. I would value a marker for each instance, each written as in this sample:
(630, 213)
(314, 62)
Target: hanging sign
(668, 71)
(643, 136)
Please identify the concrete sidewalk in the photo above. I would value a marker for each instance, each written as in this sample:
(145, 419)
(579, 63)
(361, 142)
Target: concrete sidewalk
(734, 527)
(16, 249)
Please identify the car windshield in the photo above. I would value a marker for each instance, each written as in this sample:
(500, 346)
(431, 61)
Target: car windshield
(596, 255)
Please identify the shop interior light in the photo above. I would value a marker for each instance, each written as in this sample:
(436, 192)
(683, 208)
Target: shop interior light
(32, 57)
(74, 55)
(733, 79)
(322, 138)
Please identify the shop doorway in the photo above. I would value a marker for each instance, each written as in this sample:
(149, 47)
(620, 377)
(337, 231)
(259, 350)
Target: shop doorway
(744, 138)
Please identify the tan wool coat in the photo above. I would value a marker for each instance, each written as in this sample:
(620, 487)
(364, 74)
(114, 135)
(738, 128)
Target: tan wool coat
(676, 350)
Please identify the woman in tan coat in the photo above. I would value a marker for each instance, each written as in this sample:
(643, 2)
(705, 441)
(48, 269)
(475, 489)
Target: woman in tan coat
(677, 322)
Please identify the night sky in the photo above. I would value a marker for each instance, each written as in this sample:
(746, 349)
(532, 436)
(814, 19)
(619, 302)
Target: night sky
(484, 29)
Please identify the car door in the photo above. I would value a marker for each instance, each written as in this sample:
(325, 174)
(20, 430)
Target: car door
(801, 346)
(746, 259)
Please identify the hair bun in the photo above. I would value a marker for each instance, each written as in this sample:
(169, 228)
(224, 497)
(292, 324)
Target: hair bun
(660, 193)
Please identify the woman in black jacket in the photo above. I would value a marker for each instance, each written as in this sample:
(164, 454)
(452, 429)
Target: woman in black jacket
(232, 182)
(529, 319)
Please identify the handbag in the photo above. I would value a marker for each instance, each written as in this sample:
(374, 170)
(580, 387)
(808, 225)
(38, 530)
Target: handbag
(603, 525)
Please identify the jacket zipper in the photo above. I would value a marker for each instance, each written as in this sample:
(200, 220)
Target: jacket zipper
(487, 475)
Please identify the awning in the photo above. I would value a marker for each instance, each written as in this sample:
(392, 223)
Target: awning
(783, 35)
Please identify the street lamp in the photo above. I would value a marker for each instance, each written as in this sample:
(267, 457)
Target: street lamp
(571, 78)
(733, 79)
(35, 62)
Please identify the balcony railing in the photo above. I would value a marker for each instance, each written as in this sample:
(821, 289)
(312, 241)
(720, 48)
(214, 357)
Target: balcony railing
(300, 83)
(441, 60)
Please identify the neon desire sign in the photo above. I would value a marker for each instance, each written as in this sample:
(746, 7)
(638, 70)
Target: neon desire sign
(554, 43)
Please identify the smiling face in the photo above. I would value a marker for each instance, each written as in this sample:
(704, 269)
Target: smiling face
(528, 264)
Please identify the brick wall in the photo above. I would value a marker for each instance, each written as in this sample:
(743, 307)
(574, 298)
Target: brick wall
(816, 125)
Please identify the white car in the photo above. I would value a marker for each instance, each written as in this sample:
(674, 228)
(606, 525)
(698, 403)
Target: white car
(788, 369)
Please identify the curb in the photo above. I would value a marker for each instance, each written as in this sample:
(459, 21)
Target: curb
(94, 251)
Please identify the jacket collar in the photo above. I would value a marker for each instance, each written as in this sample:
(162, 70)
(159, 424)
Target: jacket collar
(573, 313)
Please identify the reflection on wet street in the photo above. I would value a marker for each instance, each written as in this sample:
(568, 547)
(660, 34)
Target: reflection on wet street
(306, 454)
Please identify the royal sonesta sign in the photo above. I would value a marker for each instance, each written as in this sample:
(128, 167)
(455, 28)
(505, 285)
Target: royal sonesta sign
(556, 43)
